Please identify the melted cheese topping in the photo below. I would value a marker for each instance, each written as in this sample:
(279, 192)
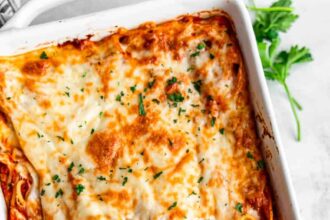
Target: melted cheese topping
(150, 123)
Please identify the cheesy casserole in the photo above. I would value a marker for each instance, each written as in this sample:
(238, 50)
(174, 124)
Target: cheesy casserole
(149, 123)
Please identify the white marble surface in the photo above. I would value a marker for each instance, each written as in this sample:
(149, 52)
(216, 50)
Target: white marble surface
(309, 160)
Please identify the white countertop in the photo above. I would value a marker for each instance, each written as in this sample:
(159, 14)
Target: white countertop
(309, 160)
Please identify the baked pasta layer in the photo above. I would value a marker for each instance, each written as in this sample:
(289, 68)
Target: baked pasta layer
(18, 179)
(149, 123)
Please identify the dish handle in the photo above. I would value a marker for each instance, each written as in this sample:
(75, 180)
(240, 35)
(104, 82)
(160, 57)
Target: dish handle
(30, 11)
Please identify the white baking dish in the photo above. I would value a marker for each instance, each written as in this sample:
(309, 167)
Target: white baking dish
(14, 40)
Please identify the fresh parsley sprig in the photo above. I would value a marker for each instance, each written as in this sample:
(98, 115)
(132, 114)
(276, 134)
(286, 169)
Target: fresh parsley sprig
(269, 23)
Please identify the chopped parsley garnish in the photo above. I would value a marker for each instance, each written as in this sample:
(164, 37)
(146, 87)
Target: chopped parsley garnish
(118, 97)
(130, 170)
(172, 81)
(56, 178)
(200, 179)
(82, 89)
(141, 106)
(79, 188)
(158, 174)
(261, 164)
(42, 192)
(211, 56)
(195, 54)
(67, 94)
(43, 55)
(190, 69)
(59, 193)
(61, 138)
(81, 169)
(92, 131)
(201, 161)
(155, 101)
(213, 121)
(200, 46)
(222, 131)
(101, 97)
(172, 206)
(101, 178)
(175, 97)
(100, 114)
(40, 135)
(194, 105)
(8, 98)
(84, 74)
(181, 110)
(71, 141)
(133, 88)
(151, 84)
(170, 142)
(249, 155)
(70, 167)
(125, 180)
(197, 85)
(239, 207)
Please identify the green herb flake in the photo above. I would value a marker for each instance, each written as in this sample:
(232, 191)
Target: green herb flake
(155, 101)
(100, 114)
(175, 97)
(190, 69)
(151, 84)
(222, 131)
(249, 155)
(261, 164)
(81, 169)
(40, 135)
(43, 55)
(67, 94)
(42, 192)
(101, 178)
(70, 167)
(195, 54)
(239, 207)
(200, 179)
(125, 181)
(211, 56)
(56, 178)
(170, 142)
(79, 189)
(133, 88)
(197, 85)
(213, 121)
(172, 81)
(201, 161)
(181, 110)
(84, 74)
(141, 106)
(61, 138)
(200, 46)
(92, 131)
(59, 193)
(158, 174)
(172, 206)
